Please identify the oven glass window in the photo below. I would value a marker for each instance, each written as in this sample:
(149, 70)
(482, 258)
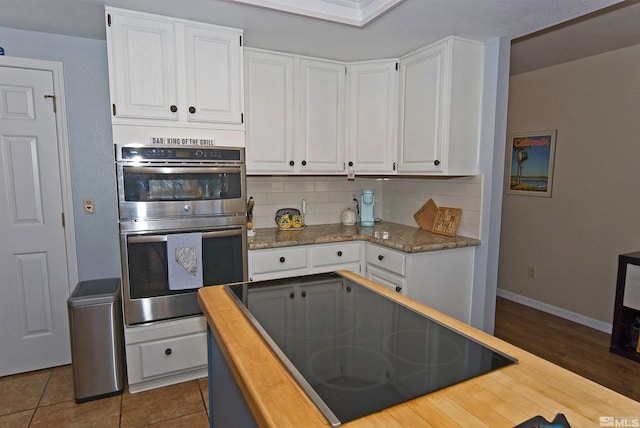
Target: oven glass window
(222, 260)
(154, 186)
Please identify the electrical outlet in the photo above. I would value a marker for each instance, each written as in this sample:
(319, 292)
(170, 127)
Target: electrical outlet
(531, 272)
(88, 204)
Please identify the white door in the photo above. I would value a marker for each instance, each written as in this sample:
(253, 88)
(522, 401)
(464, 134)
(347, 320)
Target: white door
(34, 284)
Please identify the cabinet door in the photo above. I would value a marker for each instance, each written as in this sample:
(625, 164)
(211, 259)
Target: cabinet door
(421, 111)
(213, 61)
(142, 60)
(269, 107)
(373, 100)
(386, 279)
(321, 111)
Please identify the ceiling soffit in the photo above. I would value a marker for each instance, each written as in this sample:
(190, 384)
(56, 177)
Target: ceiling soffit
(351, 12)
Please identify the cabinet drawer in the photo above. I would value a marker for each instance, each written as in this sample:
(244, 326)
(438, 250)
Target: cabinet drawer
(279, 260)
(336, 254)
(173, 355)
(393, 261)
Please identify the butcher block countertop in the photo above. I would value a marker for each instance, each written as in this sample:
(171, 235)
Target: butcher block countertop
(397, 236)
(501, 398)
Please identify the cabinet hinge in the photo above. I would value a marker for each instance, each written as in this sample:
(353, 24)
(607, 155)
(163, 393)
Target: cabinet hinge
(113, 109)
(394, 166)
(241, 117)
(241, 40)
(109, 19)
(62, 218)
(397, 66)
(345, 70)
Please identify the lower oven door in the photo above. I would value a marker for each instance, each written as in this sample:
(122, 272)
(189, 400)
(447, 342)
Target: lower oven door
(147, 292)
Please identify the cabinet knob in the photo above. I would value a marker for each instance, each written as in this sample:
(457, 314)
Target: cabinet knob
(291, 295)
(304, 294)
(398, 289)
(304, 162)
(339, 253)
(173, 109)
(350, 163)
(436, 162)
(348, 289)
(292, 163)
(282, 259)
(168, 351)
(380, 257)
(192, 109)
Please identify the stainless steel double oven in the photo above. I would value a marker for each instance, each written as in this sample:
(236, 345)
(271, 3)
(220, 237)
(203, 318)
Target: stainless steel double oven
(170, 192)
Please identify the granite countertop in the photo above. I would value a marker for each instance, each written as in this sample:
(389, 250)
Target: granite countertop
(397, 236)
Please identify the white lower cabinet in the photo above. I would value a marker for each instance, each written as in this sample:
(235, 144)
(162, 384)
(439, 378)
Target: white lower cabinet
(441, 279)
(166, 352)
(275, 263)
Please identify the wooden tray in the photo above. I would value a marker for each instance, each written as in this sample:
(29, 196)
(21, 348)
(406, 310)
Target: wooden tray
(447, 221)
(426, 216)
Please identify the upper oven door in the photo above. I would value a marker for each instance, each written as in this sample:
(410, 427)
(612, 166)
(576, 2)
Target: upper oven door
(169, 190)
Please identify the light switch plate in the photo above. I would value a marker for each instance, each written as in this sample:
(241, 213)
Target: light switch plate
(88, 205)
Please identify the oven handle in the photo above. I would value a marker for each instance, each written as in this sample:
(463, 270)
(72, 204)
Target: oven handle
(163, 238)
(181, 170)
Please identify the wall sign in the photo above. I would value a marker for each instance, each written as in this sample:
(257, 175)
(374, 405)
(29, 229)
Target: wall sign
(178, 141)
(530, 163)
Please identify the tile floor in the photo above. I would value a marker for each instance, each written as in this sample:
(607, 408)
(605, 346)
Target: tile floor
(44, 398)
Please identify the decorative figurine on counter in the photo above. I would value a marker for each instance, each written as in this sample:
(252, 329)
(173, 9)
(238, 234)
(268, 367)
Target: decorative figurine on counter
(250, 205)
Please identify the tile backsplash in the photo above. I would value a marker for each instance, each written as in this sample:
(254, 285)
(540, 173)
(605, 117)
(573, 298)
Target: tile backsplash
(326, 196)
(397, 198)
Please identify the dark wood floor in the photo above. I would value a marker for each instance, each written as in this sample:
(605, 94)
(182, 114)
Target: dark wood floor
(573, 346)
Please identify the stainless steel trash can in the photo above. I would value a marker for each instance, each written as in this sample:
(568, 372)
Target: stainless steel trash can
(97, 339)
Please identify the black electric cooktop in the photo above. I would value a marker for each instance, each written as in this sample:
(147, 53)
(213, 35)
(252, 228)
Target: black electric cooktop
(354, 351)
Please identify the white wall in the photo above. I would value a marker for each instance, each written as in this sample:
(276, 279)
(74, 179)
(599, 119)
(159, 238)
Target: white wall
(573, 238)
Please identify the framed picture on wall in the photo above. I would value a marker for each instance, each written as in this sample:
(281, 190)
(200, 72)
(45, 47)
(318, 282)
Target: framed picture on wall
(530, 163)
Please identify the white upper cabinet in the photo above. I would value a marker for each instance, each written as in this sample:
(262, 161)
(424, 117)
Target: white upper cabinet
(269, 104)
(295, 114)
(321, 123)
(440, 106)
(166, 69)
(372, 123)
(214, 75)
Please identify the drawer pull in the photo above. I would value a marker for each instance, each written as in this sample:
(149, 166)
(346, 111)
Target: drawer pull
(380, 257)
(292, 163)
(282, 259)
(291, 295)
(192, 109)
(304, 294)
(398, 289)
(173, 109)
(339, 253)
(168, 351)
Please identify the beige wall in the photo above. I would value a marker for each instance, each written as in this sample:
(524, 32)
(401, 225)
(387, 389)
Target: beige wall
(573, 238)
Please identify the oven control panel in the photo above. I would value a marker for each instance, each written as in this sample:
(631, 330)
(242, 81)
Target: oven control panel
(179, 153)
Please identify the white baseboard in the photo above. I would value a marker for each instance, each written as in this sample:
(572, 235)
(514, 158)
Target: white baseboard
(554, 310)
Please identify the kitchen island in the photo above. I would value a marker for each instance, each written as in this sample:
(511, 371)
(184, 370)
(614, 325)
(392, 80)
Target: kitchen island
(504, 397)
